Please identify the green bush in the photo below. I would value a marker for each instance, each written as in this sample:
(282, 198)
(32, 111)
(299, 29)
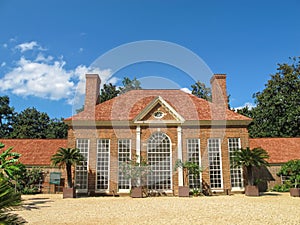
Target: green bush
(281, 187)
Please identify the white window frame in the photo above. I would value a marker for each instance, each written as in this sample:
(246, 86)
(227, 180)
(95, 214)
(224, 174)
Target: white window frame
(169, 190)
(234, 171)
(108, 166)
(78, 188)
(120, 190)
(192, 151)
(219, 152)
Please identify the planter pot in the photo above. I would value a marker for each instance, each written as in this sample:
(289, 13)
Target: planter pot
(183, 191)
(69, 192)
(295, 192)
(251, 190)
(136, 192)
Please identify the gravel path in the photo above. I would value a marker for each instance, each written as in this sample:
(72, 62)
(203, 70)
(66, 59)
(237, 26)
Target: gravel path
(272, 208)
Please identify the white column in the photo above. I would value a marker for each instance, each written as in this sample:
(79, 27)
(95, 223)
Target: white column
(179, 156)
(138, 144)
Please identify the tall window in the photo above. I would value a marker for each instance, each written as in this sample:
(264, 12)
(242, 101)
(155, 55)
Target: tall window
(193, 150)
(215, 163)
(159, 159)
(236, 174)
(102, 178)
(124, 147)
(81, 170)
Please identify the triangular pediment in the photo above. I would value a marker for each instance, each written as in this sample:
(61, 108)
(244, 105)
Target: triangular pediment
(159, 111)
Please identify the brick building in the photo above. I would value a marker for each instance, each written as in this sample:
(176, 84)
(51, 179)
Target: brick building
(160, 126)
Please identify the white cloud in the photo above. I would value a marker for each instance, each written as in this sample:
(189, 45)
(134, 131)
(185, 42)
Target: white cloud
(80, 50)
(3, 64)
(47, 78)
(249, 104)
(5, 45)
(29, 46)
(186, 90)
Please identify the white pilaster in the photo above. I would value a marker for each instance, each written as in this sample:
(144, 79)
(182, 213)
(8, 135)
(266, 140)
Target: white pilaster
(138, 144)
(179, 156)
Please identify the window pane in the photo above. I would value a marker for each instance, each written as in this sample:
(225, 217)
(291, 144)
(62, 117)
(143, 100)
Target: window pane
(102, 178)
(214, 157)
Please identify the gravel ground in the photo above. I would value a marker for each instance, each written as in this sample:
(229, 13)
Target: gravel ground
(271, 208)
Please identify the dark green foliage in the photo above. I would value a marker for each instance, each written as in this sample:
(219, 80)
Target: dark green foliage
(31, 123)
(57, 129)
(6, 117)
(9, 200)
(201, 91)
(246, 111)
(277, 113)
(129, 85)
(291, 169)
(28, 180)
(248, 159)
(67, 157)
(108, 92)
(281, 188)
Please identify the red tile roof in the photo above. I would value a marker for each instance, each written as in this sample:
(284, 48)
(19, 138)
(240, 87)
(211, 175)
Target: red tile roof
(127, 106)
(35, 152)
(280, 149)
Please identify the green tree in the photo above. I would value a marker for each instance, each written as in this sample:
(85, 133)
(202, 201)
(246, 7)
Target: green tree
(57, 129)
(9, 162)
(9, 200)
(129, 85)
(67, 157)
(248, 159)
(30, 123)
(108, 92)
(6, 117)
(246, 111)
(277, 113)
(201, 91)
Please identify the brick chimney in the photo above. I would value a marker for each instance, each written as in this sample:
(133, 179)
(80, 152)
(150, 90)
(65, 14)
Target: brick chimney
(92, 90)
(218, 89)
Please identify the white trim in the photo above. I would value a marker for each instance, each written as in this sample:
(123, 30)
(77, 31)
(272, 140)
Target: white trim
(171, 164)
(78, 190)
(130, 156)
(152, 104)
(199, 156)
(179, 148)
(108, 162)
(221, 166)
(138, 144)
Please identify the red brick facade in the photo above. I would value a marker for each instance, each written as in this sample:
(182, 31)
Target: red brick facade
(184, 116)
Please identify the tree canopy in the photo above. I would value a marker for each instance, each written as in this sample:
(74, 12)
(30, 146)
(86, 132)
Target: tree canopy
(6, 116)
(277, 111)
(30, 123)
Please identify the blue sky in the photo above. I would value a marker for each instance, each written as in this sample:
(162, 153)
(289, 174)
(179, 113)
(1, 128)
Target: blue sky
(46, 47)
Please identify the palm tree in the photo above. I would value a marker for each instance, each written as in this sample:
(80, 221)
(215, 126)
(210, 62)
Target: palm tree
(249, 159)
(8, 200)
(9, 162)
(67, 157)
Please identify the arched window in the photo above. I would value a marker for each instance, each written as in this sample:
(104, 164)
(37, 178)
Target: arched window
(159, 158)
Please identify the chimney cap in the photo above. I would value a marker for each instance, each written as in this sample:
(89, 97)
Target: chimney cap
(218, 76)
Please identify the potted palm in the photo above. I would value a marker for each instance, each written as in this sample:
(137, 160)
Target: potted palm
(67, 157)
(291, 170)
(249, 159)
(189, 168)
(137, 173)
